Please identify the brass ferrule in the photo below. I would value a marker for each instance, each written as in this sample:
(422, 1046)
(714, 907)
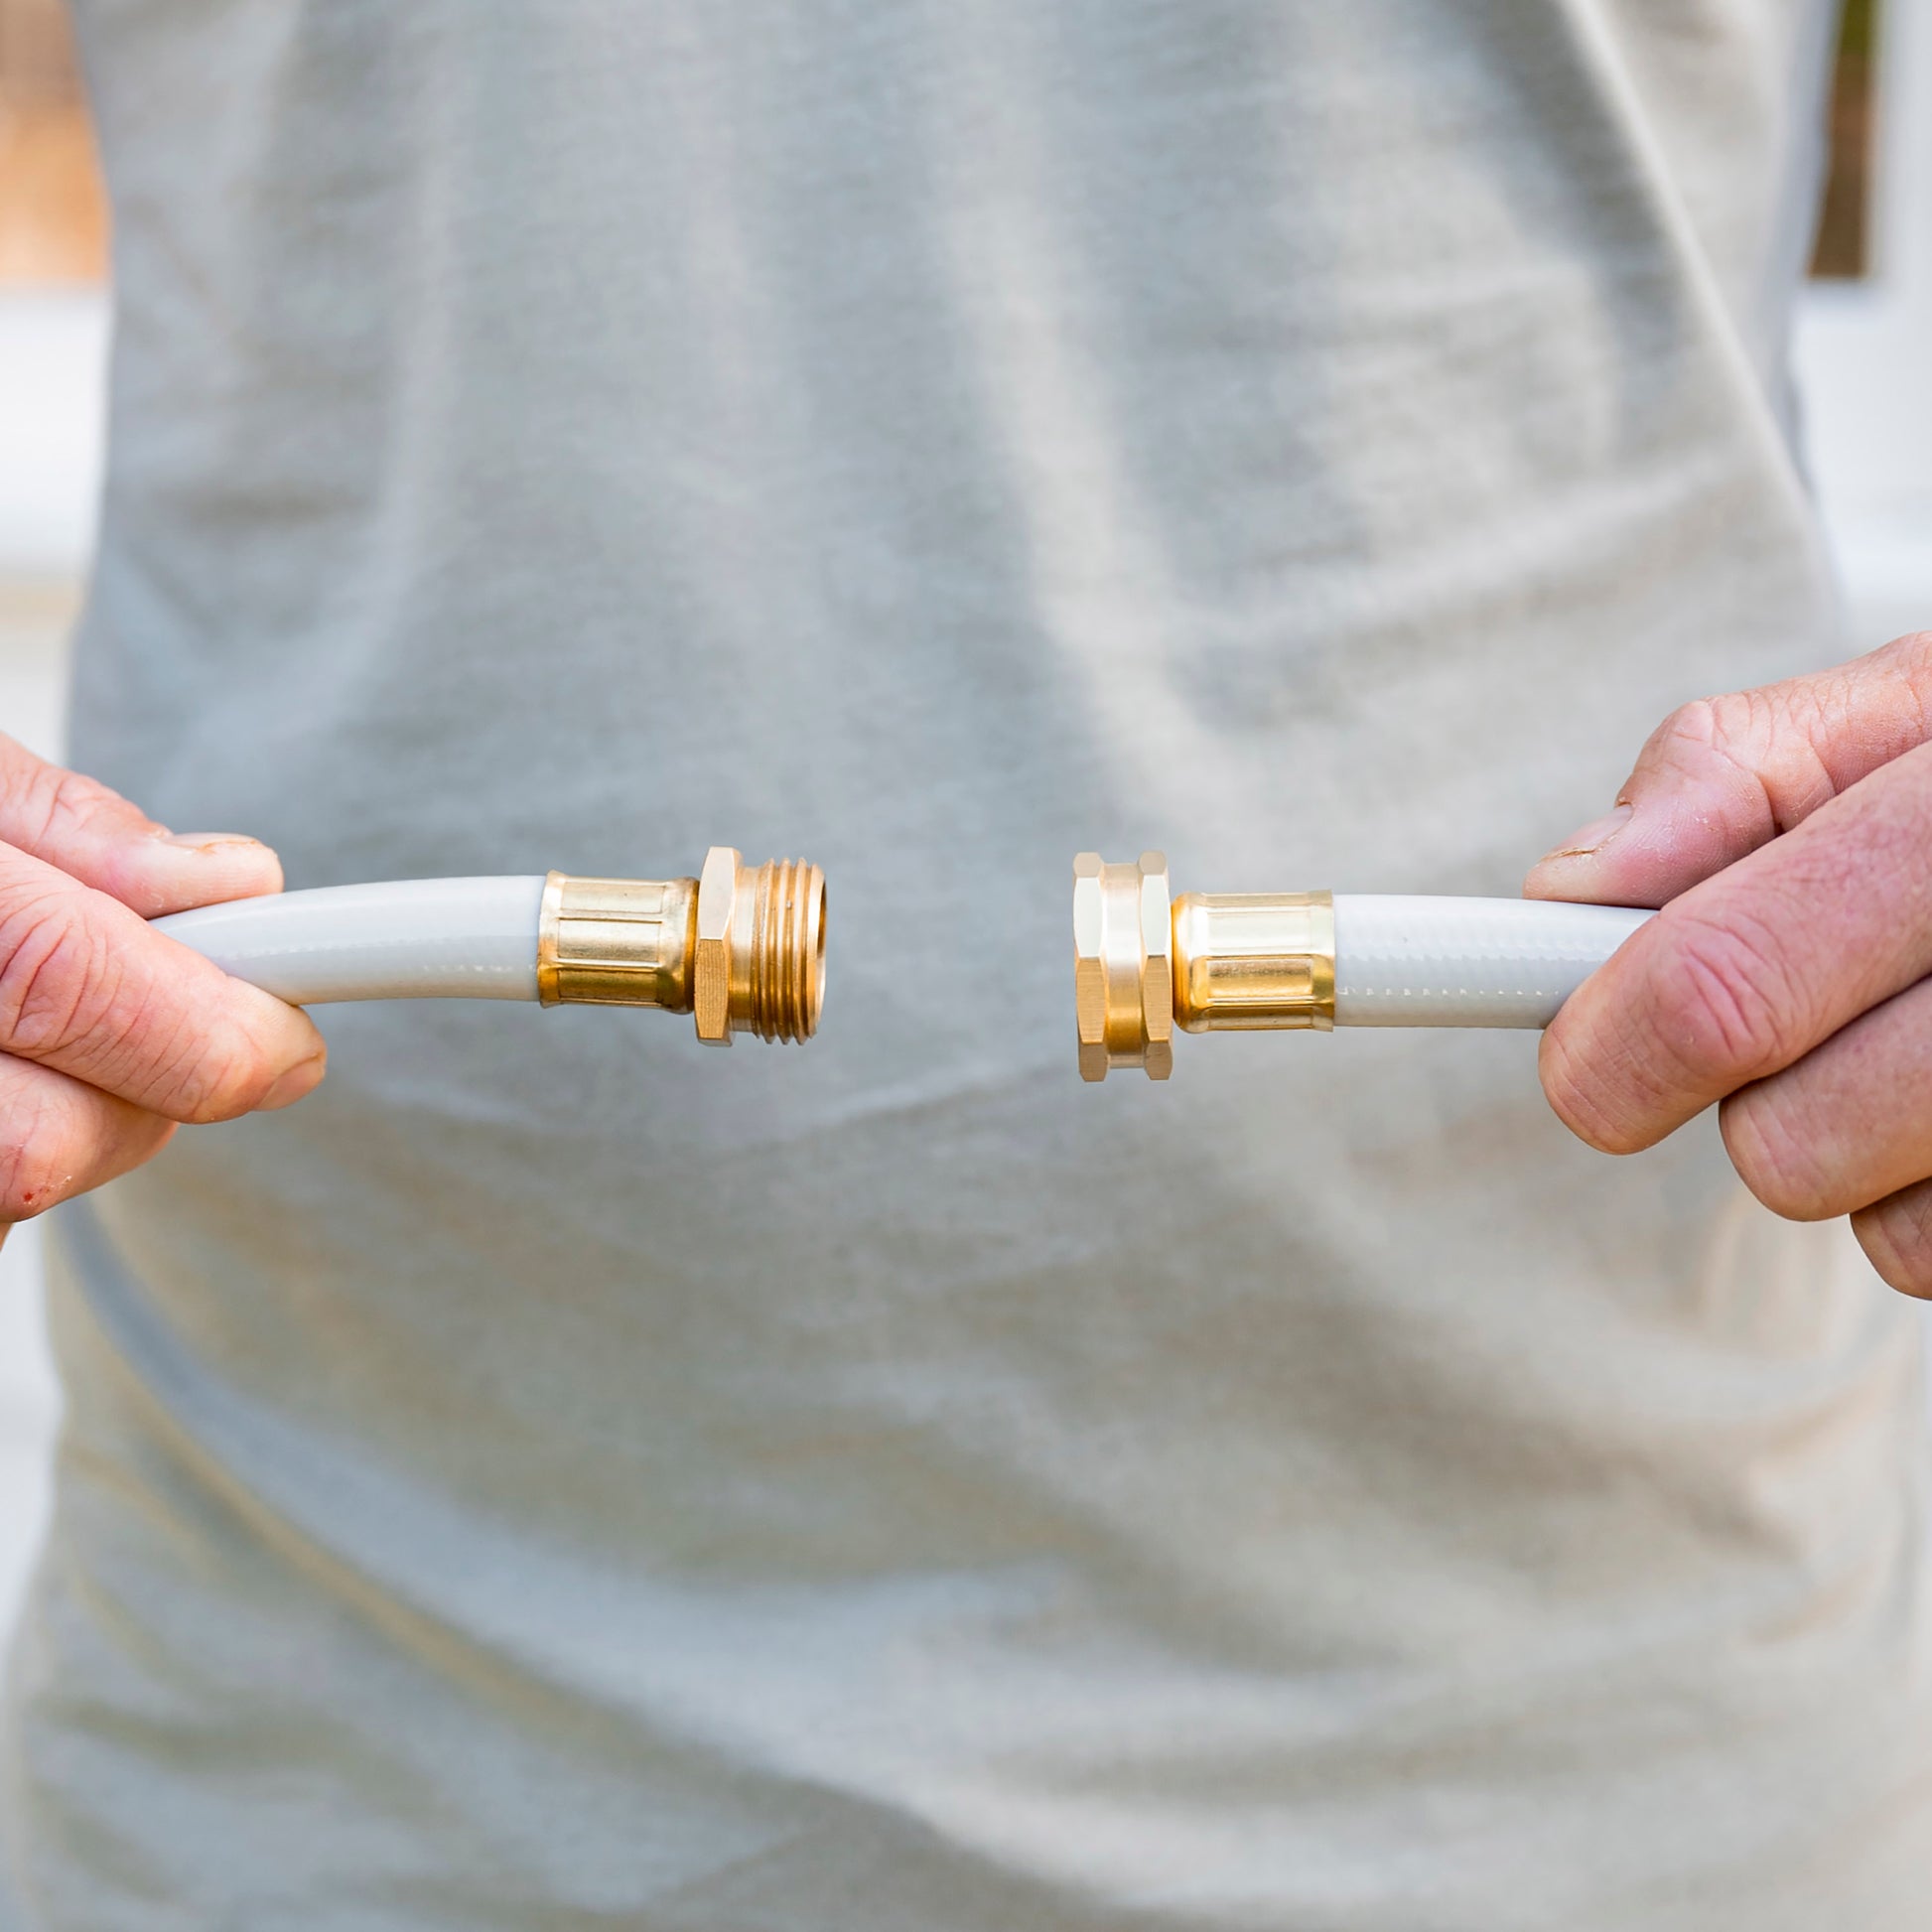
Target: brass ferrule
(742, 948)
(617, 942)
(1250, 962)
(1145, 963)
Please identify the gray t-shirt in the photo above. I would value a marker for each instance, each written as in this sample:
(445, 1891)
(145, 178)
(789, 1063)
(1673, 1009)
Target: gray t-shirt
(562, 1477)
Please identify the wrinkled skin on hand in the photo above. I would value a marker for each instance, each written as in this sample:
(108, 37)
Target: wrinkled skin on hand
(1787, 835)
(111, 1034)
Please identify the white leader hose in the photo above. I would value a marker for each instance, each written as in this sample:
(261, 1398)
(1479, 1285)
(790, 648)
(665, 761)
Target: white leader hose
(1410, 961)
(742, 948)
(405, 939)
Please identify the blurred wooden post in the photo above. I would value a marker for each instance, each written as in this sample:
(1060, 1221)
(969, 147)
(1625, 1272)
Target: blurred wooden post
(1843, 249)
(52, 214)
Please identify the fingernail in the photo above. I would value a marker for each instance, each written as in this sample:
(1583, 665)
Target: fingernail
(302, 1078)
(207, 841)
(1593, 838)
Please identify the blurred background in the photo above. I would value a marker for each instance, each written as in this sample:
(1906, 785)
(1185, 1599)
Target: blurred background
(1863, 375)
(53, 348)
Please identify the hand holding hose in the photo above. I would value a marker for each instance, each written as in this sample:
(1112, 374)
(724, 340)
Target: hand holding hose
(110, 1033)
(1787, 835)
(112, 1028)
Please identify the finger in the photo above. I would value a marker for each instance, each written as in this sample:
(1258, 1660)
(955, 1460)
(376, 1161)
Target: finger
(58, 1138)
(1743, 974)
(1846, 1125)
(1724, 776)
(1897, 1236)
(72, 822)
(93, 990)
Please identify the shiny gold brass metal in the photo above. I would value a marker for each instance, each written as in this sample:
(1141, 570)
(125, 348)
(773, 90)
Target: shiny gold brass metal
(1247, 962)
(1123, 983)
(742, 948)
(758, 965)
(1145, 962)
(617, 942)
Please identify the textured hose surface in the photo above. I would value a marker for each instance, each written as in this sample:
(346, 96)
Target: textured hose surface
(1404, 961)
(403, 939)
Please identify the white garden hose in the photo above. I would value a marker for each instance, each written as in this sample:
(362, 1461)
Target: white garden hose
(405, 939)
(1146, 963)
(1406, 961)
(741, 946)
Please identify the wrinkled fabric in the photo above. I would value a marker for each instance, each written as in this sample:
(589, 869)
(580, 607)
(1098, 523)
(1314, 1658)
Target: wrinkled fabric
(557, 1477)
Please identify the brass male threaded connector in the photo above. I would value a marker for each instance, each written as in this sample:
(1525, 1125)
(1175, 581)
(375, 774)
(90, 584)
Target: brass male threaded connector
(742, 948)
(1145, 962)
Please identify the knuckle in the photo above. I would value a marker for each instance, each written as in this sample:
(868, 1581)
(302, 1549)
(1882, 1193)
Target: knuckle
(1916, 678)
(32, 1179)
(74, 798)
(1777, 1156)
(1692, 724)
(1724, 726)
(37, 1160)
(1743, 717)
(1723, 1005)
(1910, 656)
(1806, 708)
(66, 997)
(1689, 731)
(1759, 750)
(1897, 1236)
(48, 799)
(59, 978)
(1578, 1089)
(201, 1079)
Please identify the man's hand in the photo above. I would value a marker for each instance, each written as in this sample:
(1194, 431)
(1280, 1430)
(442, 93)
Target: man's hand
(1787, 834)
(110, 1033)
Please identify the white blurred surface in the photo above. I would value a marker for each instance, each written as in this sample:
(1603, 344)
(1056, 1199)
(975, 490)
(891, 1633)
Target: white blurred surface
(30, 1412)
(34, 621)
(53, 359)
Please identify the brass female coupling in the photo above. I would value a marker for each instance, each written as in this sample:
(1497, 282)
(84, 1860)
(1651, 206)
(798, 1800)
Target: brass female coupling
(1272, 962)
(1145, 963)
(742, 948)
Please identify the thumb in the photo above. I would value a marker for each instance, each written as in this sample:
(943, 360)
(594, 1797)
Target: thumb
(1724, 775)
(95, 836)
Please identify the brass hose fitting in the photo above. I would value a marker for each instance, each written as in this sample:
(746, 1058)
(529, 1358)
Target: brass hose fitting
(742, 948)
(1145, 962)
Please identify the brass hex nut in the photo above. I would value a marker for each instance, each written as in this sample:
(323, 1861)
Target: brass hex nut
(1090, 965)
(1157, 966)
(711, 960)
(1123, 965)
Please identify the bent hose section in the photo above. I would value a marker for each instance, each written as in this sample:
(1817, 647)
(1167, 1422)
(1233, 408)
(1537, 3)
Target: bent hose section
(402, 939)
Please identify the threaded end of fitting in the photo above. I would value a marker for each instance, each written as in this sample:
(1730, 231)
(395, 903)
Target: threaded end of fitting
(785, 984)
